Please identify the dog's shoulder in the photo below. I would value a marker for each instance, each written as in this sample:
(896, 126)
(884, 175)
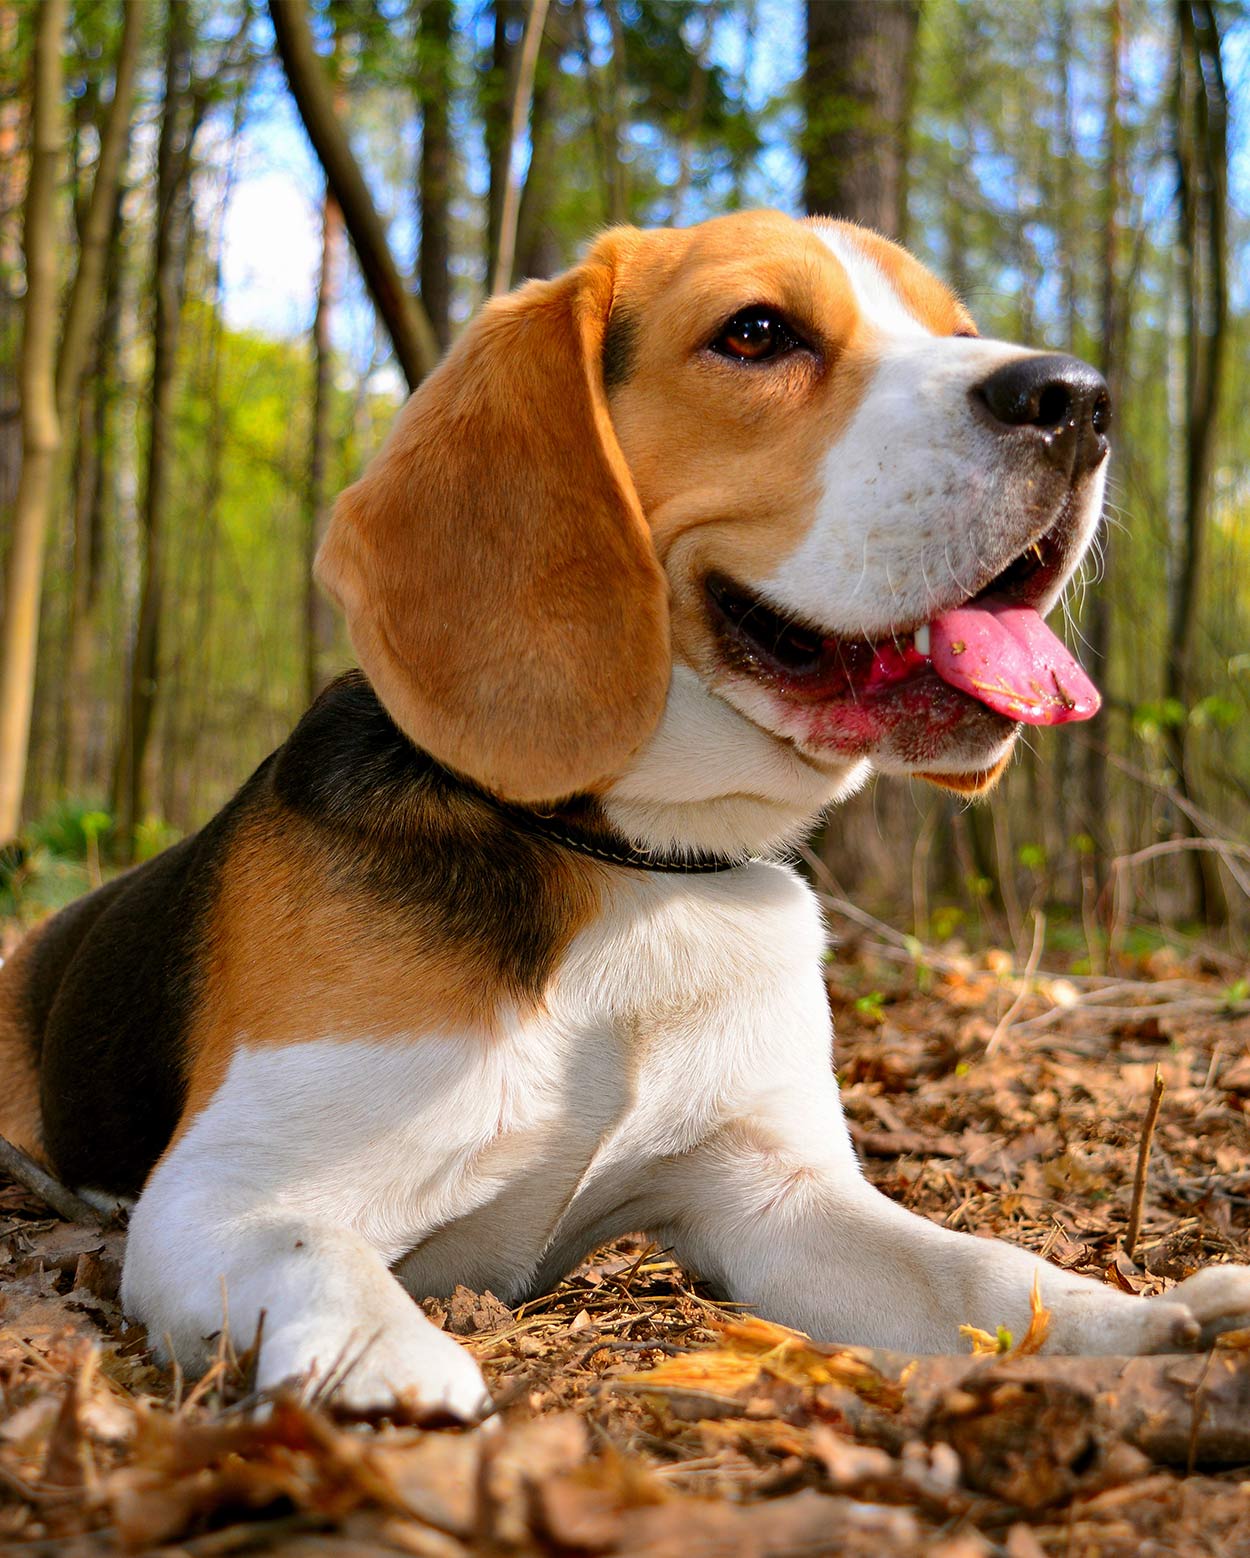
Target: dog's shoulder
(351, 889)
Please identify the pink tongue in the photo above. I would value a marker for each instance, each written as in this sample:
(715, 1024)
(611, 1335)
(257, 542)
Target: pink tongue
(1007, 658)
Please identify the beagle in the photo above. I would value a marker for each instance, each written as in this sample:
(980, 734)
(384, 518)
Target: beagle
(496, 957)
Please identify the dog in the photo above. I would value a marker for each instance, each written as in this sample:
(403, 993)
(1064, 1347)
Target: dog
(495, 958)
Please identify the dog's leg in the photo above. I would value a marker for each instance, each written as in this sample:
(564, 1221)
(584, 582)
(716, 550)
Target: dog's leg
(821, 1250)
(331, 1308)
(289, 1197)
(773, 1208)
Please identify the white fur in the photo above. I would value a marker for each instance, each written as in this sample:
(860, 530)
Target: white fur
(680, 1080)
(710, 779)
(922, 494)
(876, 298)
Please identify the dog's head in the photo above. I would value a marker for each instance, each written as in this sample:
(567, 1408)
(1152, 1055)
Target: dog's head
(749, 495)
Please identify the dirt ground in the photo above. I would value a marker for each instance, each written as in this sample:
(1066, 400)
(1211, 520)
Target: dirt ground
(639, 1417)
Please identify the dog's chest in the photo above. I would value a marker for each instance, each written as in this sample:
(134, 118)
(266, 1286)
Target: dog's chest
(469, 1157)
(660, 1024)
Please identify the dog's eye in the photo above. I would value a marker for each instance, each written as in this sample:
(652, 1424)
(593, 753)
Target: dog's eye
(755, 335)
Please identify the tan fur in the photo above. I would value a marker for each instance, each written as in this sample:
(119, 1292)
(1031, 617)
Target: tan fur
(970, 784)
(930, 300)
(19, 1079)
(493, 563)
(504, 592)
(727, 462)
(290, 956)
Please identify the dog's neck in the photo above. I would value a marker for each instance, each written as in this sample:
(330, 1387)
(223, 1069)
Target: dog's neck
(710, 780)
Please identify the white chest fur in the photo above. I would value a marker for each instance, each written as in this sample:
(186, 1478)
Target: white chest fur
(495, 1159)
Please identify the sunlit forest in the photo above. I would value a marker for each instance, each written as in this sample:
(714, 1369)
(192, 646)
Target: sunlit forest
(233, 235)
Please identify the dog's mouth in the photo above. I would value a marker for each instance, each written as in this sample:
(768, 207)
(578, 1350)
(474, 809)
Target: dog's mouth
(993, 647)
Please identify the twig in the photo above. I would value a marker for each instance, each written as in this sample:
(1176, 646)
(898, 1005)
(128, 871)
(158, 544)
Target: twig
(22, 1167)
(1143, 1164)
(1022, 995)
(1120, 877)
(1193, 1005)
(1209, 826)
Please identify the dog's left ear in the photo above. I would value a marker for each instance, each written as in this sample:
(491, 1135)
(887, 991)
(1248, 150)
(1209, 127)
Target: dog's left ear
(494, 564)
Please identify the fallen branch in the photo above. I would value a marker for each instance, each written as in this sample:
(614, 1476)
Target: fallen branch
(1172, 1408)
(22, 1167)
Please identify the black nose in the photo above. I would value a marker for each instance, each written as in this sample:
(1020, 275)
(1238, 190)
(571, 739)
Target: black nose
(1061, 401)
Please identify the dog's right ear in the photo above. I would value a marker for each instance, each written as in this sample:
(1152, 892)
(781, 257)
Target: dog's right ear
(494, 564)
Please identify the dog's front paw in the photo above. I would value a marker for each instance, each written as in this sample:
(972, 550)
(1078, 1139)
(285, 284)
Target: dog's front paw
(1211, 1302)
(1088, 1318)
(413, 1368)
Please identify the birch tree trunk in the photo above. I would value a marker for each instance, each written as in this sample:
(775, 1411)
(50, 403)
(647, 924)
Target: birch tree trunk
(319, 618)
(522, 98)
(40, 424)
(538, 252)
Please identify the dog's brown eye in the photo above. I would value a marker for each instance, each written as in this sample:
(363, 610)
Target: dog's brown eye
(755, 335)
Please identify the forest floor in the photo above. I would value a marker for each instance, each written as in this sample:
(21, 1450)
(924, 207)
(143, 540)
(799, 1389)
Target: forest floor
(639, 1417)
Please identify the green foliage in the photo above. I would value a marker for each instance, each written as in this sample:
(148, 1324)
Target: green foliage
(71, 831)
(871, 1006)
(1151, 719)
(1217, 711)
(35, 882)
(152, 835)
(946, 920)
(1236, 993)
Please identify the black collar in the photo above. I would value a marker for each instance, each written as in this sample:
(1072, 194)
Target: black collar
(600, 842)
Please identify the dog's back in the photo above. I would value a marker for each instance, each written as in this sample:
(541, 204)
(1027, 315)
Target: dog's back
(93, 1006)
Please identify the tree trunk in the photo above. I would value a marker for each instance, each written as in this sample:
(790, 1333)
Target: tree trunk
(82, 311)
(538, 252)
(13, 167)
(1201, 114)
(603, 97)
(857, 88)
(319, 619)
(1112, 348)
(40, 425)
(498, 92)
(434, 38)
(169, 260)
(522, 97)
(406, 321)
(99, 258)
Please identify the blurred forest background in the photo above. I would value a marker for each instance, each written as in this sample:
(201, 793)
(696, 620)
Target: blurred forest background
(232, 233)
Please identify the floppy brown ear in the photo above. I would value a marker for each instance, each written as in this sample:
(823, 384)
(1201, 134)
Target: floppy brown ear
(494, 565)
